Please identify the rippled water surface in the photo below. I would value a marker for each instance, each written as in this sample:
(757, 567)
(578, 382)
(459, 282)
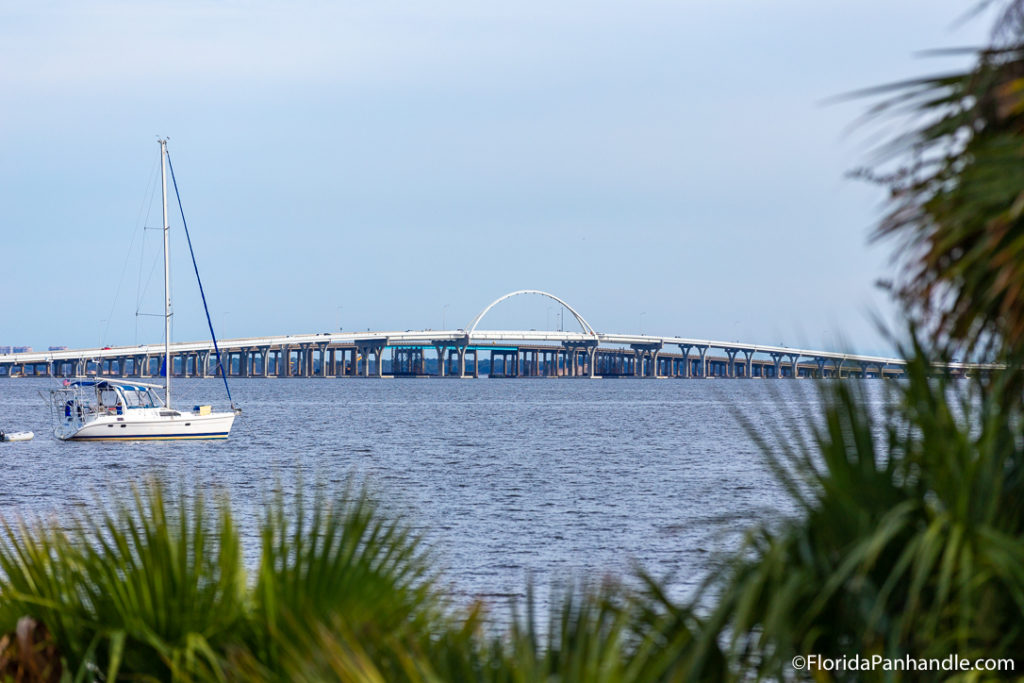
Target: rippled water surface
(509, 479)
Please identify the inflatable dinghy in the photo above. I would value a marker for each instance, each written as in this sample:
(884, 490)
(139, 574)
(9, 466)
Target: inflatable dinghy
(16, 436)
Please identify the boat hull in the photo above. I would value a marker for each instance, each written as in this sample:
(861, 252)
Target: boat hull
(151, 427)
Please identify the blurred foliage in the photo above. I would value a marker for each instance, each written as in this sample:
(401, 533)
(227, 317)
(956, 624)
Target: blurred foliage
(908, 540)
(144, 589)
(956, 184)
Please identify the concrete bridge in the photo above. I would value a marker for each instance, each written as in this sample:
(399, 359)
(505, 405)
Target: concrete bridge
(457, 353)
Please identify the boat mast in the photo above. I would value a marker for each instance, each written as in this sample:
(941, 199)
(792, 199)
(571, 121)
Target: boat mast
(167, 277)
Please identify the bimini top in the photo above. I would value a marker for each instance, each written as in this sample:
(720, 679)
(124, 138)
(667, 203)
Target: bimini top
(113, 383)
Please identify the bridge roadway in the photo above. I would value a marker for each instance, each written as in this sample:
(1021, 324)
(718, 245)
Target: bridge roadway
(522, 353)
(567, 354)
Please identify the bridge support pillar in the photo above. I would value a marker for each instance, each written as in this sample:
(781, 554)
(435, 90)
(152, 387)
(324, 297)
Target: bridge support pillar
(837, 363)
(283, 361)
(264, 352)
(748, 366)
(442, 353)
(702, 368)
(375, 346)
(363, 356)
(572, 358)
(730, 370)
(244, 359)
(650, 350)
(777, 364)
(794, 359)
(322, 346)
(685, 350)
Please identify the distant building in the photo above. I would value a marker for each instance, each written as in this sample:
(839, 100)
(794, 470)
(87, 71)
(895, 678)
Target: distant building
(5, 349)
(57, 348)
(22, 349)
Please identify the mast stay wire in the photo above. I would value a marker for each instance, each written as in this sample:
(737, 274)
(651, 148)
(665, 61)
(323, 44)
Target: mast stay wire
(147, 203)
(202, 293)
(124, 270)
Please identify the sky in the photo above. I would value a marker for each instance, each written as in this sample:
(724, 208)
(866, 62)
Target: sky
(673, 168)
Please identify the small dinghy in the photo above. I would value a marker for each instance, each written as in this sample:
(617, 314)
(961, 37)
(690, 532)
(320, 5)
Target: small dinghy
(15, 436)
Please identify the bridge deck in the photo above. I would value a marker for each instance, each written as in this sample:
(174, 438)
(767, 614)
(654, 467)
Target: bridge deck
(572, 353)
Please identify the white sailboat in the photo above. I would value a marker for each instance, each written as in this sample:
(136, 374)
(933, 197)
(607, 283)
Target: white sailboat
(101, 409)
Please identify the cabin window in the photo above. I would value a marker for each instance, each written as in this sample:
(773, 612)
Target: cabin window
(132, 399)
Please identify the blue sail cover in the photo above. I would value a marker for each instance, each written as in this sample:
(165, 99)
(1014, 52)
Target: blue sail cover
(104, 384)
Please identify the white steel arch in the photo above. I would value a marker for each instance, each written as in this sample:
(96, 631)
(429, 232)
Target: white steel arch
(587, 329)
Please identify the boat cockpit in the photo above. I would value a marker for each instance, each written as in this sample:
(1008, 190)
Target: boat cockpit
(105, 397)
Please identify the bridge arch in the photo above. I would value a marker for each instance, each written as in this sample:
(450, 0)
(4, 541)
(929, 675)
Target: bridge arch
(579, 318)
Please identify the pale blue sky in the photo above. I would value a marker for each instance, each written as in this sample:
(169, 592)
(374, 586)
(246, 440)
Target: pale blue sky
(390, 165)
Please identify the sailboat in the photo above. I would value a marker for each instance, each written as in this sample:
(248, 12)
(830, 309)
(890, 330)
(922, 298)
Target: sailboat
(101, 409)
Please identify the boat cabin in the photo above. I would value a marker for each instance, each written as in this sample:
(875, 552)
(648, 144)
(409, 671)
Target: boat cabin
(103, 396)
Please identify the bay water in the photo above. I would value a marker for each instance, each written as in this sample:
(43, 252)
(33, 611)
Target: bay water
(510, 480)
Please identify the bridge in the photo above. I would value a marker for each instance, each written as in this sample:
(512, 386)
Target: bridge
(456, 353)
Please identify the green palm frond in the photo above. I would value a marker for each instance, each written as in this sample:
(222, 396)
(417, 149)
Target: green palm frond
(956, 185)
(339, 560)
(909, 540)
(130, 586)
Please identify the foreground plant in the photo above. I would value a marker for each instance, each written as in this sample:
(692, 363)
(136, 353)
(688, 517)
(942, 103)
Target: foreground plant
(148, 589)
(956, 198)
(138, 585)
(909, 540)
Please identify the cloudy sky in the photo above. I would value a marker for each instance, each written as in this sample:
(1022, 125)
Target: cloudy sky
(666, 167)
